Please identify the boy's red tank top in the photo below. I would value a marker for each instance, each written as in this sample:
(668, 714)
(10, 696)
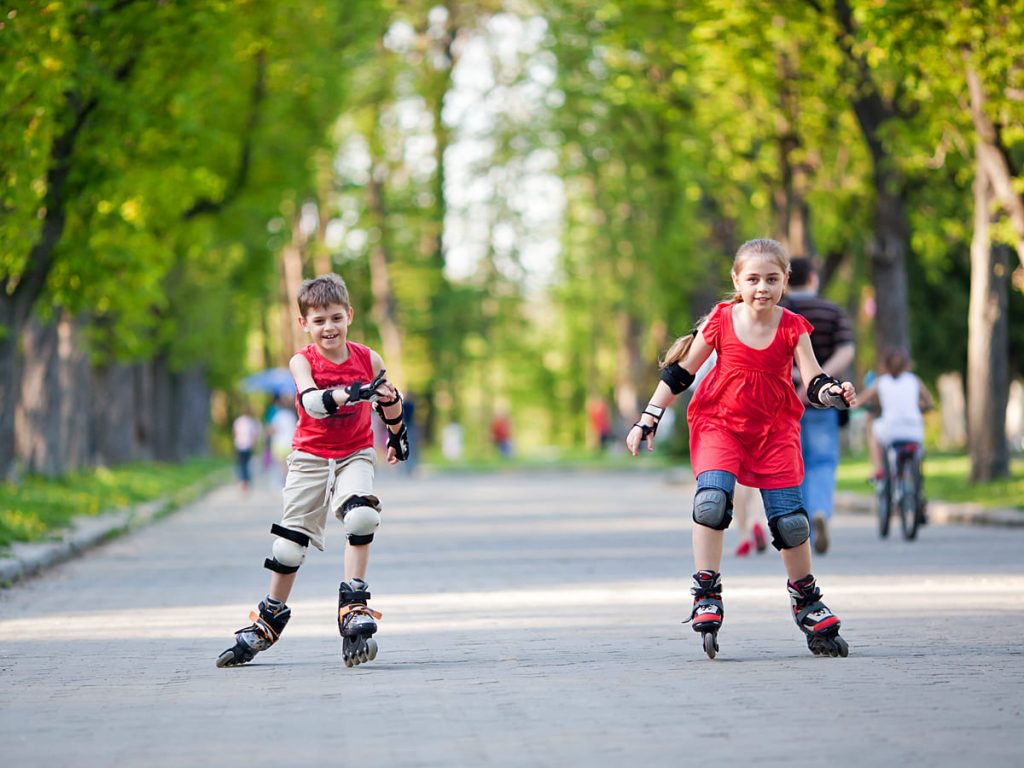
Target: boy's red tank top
(745, 416)
(348, 430)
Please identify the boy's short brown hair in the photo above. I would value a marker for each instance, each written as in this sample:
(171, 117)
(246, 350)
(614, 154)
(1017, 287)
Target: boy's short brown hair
(321, 292)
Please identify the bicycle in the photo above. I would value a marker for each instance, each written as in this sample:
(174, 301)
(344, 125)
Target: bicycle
(900, 488)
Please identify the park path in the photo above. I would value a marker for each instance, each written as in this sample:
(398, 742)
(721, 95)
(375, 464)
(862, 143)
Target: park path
(530, 619)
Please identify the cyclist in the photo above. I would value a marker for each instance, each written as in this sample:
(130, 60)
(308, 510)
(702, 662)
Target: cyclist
(902, 398)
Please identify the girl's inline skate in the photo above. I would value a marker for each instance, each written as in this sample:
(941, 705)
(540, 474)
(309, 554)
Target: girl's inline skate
(815, 620)
(708, 610)
(266, 628)
(356, 623)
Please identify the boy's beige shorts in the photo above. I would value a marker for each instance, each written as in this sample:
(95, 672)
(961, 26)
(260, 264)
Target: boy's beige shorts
(314, 486)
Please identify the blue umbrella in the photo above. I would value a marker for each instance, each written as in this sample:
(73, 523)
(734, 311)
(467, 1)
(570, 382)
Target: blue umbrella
(276, 381)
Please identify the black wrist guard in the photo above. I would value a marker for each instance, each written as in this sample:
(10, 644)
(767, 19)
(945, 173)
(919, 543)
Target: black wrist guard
(357, 391)
(823, 399)
(677, 377)
(656, 412)
(400, 442)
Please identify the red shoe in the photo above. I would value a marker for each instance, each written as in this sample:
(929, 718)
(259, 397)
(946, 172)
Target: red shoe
(760, 542)
(743, 549)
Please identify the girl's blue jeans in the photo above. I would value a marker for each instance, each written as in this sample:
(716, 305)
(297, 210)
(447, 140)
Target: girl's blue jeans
(777, 501)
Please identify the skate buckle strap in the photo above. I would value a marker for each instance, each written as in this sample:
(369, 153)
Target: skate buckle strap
(358, 609)
(261, 627)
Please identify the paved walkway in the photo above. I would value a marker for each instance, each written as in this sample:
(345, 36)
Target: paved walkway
(529, 620)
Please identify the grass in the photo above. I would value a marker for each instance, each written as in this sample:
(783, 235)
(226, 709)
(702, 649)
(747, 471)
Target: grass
(946, 479)
(38, 508)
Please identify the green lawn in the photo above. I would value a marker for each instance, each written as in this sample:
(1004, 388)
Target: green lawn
(945, 480)
(38, 507)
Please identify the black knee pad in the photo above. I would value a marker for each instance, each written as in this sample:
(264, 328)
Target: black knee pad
(712, 508)
(790, 530)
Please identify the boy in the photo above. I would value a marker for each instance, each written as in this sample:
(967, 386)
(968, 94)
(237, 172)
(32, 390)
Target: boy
(331, 469)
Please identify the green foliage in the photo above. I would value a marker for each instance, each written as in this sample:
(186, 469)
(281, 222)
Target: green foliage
(38, 508)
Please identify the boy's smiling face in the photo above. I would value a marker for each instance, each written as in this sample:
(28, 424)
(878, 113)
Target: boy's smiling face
(328, 326)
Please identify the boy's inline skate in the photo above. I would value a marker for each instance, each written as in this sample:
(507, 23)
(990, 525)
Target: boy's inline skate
(356, 623)
(815, 619)
(708, 610)
(267, 625)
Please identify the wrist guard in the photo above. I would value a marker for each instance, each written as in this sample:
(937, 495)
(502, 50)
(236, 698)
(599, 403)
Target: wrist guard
(656, 413)
(820, 397)
(677, 377)
(400, 442)
(359, 392)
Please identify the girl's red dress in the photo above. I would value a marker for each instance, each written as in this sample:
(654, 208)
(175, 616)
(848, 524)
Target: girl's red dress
(745, 415)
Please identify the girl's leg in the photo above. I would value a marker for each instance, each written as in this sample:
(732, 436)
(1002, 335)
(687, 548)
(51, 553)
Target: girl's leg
(708, 541)
(788, 522)
(785, 508)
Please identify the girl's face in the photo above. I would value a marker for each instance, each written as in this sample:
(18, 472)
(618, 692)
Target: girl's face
(760, 282)
(328, 326)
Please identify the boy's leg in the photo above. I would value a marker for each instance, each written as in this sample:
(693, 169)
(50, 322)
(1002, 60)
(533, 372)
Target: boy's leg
(355, 504)
(302, 523)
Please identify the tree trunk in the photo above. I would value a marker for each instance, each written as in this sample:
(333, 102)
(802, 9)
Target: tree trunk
(53, 421)
(887, 249)
(987, 342)
(992, 155)
(383, 311)
(292, 337)
(120, 426)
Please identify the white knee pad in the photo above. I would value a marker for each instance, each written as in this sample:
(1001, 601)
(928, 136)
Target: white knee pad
(288, 553)
(289, 549)
(360, 520)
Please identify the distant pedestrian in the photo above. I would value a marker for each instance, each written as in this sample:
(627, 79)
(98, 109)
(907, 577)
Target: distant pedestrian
(745, 426)
(832, 342)
(339, 384)
(281, 431)
(501, 434)
(245, 432)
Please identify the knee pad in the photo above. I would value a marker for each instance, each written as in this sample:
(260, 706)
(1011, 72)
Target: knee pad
(289, 550)
(360, 519)
(790, 530)
(712, 508)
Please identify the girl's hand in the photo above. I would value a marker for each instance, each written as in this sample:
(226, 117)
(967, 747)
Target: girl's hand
(640, 433)
(845, 391)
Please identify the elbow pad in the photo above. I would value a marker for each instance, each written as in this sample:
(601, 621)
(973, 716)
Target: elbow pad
(677, 377)
(318, 403)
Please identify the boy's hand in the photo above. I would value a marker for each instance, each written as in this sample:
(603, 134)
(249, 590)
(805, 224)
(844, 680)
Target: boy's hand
(359, 392)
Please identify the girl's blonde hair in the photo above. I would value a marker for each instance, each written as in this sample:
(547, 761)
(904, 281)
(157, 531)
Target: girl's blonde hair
(763, 247)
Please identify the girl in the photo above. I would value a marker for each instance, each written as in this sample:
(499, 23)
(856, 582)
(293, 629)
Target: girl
(902, 398)
(745, 425)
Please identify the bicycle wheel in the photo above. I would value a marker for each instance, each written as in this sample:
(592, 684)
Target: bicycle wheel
(884, 507)
(908, 500)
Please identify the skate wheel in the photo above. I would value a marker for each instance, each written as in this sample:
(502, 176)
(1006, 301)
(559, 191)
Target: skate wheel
(349, 661)
(841, 646)
(710, 644)
(225, 659)
(371, 649)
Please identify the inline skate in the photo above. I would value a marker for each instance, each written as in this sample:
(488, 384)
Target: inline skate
(708, 610)
(356, 623)
(267, 625)
(815, 620)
